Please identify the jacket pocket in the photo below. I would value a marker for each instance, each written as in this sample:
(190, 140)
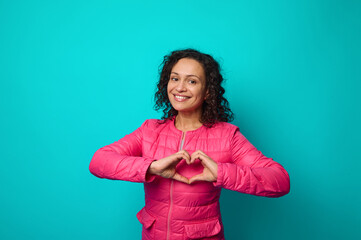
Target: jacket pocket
(148, 222)
(204, 229)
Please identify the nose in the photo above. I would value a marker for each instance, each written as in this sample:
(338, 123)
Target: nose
(181, 86)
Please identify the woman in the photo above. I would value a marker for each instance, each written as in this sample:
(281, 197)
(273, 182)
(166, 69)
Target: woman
(185, 159)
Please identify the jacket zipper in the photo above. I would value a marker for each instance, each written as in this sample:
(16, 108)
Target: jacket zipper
(171, 191)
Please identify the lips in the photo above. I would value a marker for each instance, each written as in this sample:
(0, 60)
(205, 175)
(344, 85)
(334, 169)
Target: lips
(180, 98)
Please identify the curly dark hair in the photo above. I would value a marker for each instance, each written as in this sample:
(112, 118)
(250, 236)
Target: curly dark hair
(215, 108)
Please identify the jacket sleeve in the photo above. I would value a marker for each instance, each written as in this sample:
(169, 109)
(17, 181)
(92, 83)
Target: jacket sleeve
(122, 160)
(251, 172)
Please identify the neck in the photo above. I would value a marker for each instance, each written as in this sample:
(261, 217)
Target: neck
(187, 121)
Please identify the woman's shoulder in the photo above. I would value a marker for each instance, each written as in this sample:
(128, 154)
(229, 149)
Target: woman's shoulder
(226, 126)
(154, 123)
(223, 129)
(149, 123)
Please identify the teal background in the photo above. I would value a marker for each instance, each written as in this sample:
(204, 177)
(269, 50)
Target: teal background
(78, 75)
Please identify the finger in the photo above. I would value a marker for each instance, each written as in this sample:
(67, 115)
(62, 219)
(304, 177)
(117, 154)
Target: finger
(183, 151)
(197, 155)
(199, 177)
(186, 156)
(205, 159)
(178, 156)
(194, 156)
(209, 164)
(201, 152)
(180, 178)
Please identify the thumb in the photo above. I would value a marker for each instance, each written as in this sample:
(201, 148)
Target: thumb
(199, 177)
(180, 178)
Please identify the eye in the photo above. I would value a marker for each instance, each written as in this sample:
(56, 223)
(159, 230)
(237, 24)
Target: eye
(192, 82)
(174, 79)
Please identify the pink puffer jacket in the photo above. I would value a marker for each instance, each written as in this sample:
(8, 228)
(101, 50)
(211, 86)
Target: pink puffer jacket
(175, 210)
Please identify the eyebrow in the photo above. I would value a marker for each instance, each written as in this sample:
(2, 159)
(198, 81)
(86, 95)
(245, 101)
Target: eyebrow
(190, 75)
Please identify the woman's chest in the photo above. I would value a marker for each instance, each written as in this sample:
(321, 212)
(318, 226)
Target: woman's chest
(160, 145)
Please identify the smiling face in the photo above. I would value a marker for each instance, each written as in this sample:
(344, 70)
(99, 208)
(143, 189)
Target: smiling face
(186, 86)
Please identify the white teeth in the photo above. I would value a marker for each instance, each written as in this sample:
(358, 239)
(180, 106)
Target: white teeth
(179, 97)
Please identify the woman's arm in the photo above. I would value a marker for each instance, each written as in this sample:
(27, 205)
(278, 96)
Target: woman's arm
(251, 172)
(122, 160)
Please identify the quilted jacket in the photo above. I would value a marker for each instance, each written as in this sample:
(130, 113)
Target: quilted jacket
(175, 210)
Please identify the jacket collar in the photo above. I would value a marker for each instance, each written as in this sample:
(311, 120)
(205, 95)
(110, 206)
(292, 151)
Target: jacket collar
(171, 123)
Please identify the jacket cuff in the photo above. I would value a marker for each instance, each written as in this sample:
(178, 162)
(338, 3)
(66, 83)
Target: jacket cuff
(144, 177)
(219, 181)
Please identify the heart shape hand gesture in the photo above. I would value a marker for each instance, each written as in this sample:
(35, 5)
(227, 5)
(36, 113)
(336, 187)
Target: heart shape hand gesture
(166, 167)
(210, 169)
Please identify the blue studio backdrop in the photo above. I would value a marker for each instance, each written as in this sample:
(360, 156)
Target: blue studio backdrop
(78, 75)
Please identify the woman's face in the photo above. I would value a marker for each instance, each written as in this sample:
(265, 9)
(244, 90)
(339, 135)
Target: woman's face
(186, 86)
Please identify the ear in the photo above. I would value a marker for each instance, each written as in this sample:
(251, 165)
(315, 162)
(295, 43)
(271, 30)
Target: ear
(207, 94)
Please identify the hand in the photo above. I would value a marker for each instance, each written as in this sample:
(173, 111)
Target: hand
(166, 167)
(210, 167)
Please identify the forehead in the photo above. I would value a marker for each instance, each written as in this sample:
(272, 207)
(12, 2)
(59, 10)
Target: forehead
(188, 66)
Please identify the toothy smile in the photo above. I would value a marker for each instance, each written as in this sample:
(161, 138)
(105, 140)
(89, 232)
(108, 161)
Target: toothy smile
(180, 98)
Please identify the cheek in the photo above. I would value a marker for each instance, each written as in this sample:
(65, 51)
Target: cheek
(169, 86)
(200, 93)
(169, 89)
